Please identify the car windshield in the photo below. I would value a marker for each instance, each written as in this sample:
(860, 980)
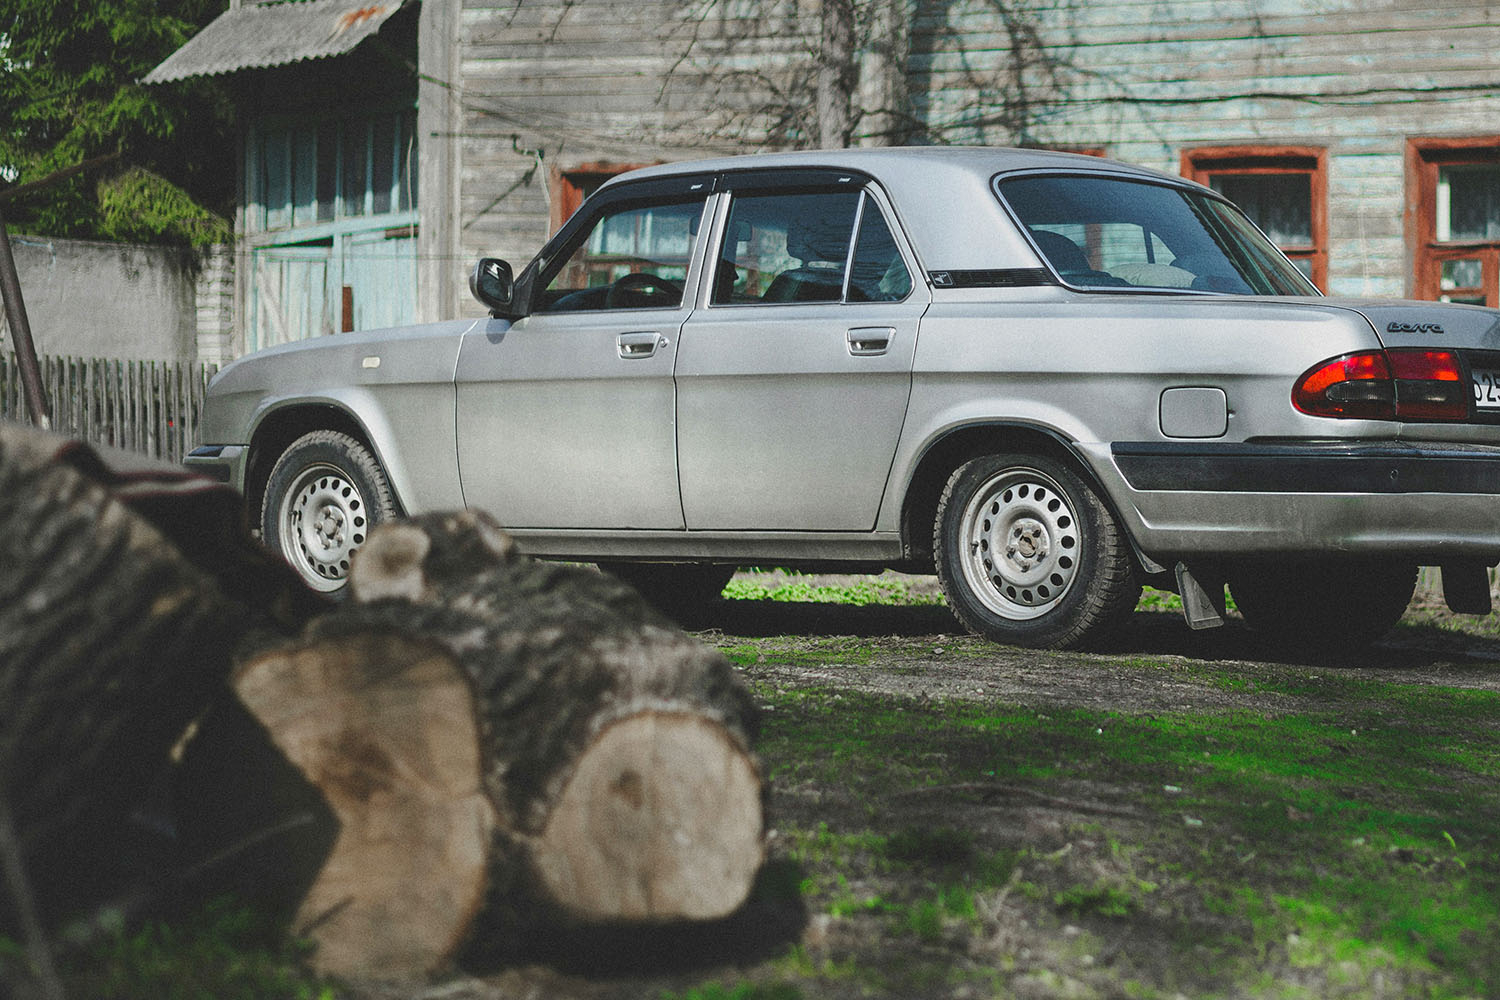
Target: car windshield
(1110, 232)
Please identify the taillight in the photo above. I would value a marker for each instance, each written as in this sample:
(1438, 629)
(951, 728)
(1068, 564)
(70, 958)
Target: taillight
(1402, 384)
(1429, 385)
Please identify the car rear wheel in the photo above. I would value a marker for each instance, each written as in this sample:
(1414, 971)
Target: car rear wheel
(1029, 555)
(683, 592)
(1326, 605)
(325, 493)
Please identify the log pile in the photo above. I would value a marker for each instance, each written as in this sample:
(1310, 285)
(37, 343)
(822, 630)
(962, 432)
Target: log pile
(492, 741)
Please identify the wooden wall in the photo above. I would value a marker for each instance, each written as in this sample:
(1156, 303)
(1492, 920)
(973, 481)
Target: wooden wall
(544, 86)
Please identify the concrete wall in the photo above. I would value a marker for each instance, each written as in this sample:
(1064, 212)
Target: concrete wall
(108, 300)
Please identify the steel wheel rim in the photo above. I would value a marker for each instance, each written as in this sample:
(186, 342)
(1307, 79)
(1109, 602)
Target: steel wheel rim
(1021, 544)
(323, 523)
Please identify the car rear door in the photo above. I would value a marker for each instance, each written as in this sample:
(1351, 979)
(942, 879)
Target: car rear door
(792, 382)
(565, 419)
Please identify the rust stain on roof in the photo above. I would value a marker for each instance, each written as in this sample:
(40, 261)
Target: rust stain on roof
(353, 18)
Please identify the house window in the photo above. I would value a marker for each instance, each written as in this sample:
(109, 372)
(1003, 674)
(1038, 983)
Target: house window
(304, 174)
(1454, 218)
(1284, 191)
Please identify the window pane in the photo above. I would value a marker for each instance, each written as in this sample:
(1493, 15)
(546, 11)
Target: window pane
(276, 178)
(328, 166)
(355, 160)
(1468, 202)
(1467, 273)
(787, 248)
(878, 273)
(382, 163)
(1280, 204)
(304, 176)
(633, 258)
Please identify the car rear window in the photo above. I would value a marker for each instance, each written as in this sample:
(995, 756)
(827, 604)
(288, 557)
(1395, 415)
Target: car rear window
(1117, 233)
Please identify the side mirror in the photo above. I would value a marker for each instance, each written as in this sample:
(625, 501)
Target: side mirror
(492, 283)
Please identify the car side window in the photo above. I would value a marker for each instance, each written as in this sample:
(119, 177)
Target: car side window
(877, 274)
(633, 257)
(786, 248)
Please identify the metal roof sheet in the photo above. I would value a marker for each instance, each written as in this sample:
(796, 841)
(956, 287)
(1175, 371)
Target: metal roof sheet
(274, 34)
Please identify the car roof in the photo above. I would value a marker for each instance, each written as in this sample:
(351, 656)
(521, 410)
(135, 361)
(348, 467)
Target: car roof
(890, 161)
(941, 194)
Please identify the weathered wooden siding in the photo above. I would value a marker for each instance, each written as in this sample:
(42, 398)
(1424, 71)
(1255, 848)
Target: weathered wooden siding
(548, 85)
(1145, 79)
(551, 85)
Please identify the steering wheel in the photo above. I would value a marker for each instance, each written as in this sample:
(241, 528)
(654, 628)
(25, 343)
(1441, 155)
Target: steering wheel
(635, 291)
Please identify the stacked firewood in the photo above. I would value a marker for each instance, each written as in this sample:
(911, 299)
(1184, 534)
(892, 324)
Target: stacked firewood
(472, 741)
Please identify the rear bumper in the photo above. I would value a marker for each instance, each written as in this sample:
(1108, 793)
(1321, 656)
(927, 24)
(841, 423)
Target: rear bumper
(1429, 503)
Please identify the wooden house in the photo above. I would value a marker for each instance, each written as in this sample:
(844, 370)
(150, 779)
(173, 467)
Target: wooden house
(388, 144)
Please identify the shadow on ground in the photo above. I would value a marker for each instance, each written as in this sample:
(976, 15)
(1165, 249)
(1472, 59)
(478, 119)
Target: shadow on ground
(1421, 640)
(769, 923)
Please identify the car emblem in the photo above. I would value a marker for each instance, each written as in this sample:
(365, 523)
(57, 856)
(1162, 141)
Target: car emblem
(1394, 327)
(942, 279)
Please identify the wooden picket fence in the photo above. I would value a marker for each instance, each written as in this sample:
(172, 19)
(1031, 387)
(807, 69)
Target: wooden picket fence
(151, 407)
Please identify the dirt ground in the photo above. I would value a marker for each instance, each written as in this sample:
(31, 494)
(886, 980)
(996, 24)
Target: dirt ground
(921, 651)
(917, 653)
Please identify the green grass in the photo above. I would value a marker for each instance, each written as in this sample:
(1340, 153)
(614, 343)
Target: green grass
(223, 952)
(862, 592)
(884, 589)
(1348, 842)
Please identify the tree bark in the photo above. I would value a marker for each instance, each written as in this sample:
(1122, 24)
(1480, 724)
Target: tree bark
(111, 642)
(505, 741)
(838, 74)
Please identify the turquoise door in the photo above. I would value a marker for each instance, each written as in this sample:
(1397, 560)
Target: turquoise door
(289, 295)
(380, 275)
(353, 281)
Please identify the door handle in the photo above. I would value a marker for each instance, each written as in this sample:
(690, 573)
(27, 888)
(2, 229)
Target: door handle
(867, 341)
(639, 345)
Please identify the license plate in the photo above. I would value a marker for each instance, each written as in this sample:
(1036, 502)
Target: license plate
(1487, 388)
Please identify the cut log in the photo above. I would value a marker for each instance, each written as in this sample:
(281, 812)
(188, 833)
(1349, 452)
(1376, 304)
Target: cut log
(506, 740)
(111, 642)
(385, 728)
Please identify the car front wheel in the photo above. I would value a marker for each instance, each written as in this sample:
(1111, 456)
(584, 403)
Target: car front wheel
(1029, 555)
(325, 493)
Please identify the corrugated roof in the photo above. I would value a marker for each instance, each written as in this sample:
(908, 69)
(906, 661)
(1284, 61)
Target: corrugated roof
(275, 34)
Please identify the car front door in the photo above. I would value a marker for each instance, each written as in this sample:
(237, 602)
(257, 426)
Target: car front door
(565, 418)
(792, 382)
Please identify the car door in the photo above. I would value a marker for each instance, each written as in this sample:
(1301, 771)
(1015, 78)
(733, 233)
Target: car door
(565, 418)
(792, 382)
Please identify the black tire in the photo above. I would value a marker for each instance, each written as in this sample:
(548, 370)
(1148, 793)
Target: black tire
(325, 493)
(684, 592)
(1029, 555)
(1326, 605)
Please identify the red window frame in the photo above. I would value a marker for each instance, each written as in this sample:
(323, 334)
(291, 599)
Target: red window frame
(1424, 158)
(571, 186)
(1204, 163)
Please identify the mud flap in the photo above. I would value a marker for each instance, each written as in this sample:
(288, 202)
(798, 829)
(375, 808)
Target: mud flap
(1466, 588)
(1202, 605)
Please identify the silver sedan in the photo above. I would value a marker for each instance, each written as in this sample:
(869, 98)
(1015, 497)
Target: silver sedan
(1048, 378)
